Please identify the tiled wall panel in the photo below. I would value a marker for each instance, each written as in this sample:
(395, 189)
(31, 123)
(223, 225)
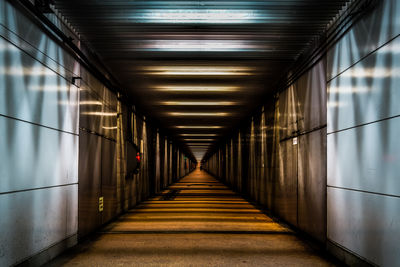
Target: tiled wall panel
(108, 179)
(33, 156)
(35, 220)
(26, 85)
(367, 92)
(371, 32)
(366, 158)
(286, 188)
(89, 182)
(366, 224)
(312, 184)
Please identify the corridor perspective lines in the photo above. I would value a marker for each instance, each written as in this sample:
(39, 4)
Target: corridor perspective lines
(197, 221)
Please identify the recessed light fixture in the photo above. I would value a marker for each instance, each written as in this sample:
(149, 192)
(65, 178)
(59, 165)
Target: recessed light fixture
(199, 127)
(198, 70)
(198, 16)
(197, 88)
(199, 139)
(200, 45)
(199, 134)
(198, 103)
(201, 114)
(200, 144)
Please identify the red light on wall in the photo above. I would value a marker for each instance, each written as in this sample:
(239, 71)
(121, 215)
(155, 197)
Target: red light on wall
(138, 157)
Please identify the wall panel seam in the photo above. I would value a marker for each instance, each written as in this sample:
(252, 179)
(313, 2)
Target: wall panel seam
(362, 58)
(298, 134)
(350, 251)
(25, 260)
(6, 29)
(363, 191)
(40, 61)
(37, 124)
(37, 188)
(364, 124)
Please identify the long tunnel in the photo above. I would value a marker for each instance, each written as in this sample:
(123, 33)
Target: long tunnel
(199, 133)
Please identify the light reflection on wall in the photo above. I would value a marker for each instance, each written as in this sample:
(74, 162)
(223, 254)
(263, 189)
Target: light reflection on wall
(109, 127)
(375, 72)
(21, 71)
(108, 114)
(349, 89)
(49, 88)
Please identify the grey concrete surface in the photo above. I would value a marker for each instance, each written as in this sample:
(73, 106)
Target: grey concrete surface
(195, 222)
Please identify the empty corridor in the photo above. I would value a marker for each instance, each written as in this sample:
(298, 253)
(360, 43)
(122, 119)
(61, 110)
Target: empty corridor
(195, 222)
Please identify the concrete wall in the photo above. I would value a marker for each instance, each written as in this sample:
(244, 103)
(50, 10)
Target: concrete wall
(63, 146)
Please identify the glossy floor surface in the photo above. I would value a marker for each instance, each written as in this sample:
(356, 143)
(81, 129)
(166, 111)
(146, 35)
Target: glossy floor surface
(195, 222)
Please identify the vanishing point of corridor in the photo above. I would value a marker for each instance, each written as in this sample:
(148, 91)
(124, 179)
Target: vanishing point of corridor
(197, 221)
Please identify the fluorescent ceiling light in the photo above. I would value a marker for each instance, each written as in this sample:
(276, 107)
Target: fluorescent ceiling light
(195, 114)
(199, 134)
(198, 88)
(110, 128)
(200, 45)
(199, 139)
(198, 70)
(199, 127)
(200, 144)
(198, 16)
(198, 103)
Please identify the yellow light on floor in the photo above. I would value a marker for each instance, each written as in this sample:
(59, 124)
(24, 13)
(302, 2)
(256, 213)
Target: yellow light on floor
(195, 114)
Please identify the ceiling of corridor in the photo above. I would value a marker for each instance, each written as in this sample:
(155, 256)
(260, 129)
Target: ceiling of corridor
(199, 67)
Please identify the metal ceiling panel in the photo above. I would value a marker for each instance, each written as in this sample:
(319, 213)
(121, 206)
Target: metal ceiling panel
(199, 63)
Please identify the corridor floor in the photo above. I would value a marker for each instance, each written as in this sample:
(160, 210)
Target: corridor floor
(195, 222)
